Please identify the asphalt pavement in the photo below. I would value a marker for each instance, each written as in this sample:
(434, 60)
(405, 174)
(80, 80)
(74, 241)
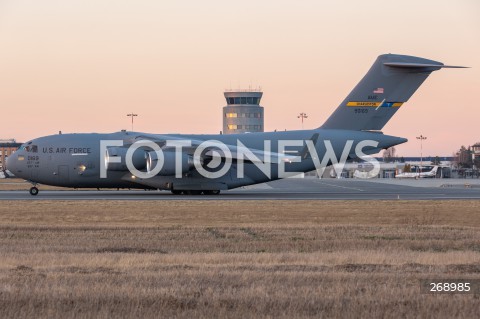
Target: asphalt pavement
(288, 189)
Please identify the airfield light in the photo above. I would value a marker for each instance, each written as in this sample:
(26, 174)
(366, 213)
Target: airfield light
(421, 138)
(302, 116)
(132, 115)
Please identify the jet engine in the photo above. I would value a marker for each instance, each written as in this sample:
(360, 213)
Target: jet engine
(113, 153)
(169, 158)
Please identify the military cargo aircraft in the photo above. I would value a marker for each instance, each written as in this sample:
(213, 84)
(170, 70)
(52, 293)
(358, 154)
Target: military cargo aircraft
(207, 164)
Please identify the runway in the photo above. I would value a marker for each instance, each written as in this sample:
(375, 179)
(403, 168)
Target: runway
(289, 189)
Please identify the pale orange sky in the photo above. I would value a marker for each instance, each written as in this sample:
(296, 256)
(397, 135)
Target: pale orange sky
(82, 65)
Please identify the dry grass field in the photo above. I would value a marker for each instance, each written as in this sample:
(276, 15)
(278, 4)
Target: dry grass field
(236, 259)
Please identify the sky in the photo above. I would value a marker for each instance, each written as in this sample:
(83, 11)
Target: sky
(83, 65)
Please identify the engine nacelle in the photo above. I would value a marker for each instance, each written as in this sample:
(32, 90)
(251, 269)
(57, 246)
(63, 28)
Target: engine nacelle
(113, 153)
(168, 167)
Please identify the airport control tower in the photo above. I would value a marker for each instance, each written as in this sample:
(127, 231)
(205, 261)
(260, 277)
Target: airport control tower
(243, 112)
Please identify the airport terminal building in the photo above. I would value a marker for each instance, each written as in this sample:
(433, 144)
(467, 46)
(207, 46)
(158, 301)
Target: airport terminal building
(243, 113)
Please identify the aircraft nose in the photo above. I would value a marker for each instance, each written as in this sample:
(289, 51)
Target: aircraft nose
(12, 164)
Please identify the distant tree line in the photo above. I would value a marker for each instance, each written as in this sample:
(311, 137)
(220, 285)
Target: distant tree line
(464, 158)
(390, 156)
(467, 161)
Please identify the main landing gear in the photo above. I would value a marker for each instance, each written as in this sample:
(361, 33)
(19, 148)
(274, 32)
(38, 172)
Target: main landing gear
(195, 192)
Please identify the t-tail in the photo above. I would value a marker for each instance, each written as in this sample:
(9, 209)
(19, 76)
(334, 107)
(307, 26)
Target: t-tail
(389, 83)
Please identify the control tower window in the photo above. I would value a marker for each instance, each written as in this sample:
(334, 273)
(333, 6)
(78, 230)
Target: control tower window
(243, 100)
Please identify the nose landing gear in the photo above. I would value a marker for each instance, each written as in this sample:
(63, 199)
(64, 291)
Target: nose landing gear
(33, 191)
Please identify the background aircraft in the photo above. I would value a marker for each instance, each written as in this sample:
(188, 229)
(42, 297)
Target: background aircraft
(427, 171)
(77, 160)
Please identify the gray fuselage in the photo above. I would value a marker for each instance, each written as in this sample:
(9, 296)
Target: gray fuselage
(75, 160)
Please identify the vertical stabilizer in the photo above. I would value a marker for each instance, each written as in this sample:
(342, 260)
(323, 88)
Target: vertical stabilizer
(389, 83)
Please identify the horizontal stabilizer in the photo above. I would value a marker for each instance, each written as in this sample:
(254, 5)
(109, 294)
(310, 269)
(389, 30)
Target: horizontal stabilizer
(421, 65)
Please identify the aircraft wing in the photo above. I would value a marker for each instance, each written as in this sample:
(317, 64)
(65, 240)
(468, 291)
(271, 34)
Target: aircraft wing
(212, 149)
(247, 154)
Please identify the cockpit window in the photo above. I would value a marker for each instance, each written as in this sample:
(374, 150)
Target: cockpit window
(25, 146)
(31, 148)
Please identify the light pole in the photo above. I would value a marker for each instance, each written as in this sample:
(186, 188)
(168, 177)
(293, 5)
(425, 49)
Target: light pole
(421, 138)
(302, 116)
(132, 115)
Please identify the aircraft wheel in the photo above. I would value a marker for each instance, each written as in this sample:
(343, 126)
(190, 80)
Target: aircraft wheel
(176, 192)
(213, 192)
(33, 191)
